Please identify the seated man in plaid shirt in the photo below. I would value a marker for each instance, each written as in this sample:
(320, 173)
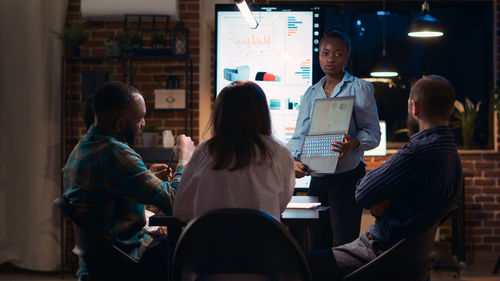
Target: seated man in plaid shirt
(107, 182)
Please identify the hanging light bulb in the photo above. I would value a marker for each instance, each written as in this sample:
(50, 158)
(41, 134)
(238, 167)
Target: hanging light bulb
(245, 12)
(425, 26)
(384, 67)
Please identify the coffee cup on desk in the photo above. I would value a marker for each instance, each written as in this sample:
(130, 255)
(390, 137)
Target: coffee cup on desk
(168, 139)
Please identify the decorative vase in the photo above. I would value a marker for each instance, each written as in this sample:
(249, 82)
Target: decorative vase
(113, 48)
(168, 139)
(468, 125)
(149, 139)
(467, 134)
(180, 39)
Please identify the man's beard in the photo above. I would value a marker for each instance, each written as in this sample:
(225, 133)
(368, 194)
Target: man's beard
(128, 135)
(412, 124)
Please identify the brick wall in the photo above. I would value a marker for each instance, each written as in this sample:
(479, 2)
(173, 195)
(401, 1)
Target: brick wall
(482, 169)
(149, 74)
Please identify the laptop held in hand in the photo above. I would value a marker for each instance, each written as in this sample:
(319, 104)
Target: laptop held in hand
(329, 122)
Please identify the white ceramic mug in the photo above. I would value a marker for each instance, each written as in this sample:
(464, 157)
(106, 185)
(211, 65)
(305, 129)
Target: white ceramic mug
(168, 139)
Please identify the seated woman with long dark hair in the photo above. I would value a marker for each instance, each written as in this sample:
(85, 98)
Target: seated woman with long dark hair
(242, 165)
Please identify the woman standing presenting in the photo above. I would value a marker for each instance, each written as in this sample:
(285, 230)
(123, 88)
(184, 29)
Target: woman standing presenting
(336, 190)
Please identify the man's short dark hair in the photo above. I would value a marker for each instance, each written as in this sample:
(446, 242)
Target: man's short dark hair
(113, 98)
(436, 97)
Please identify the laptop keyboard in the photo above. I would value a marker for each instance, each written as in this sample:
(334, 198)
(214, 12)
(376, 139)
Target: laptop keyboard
(320, 146)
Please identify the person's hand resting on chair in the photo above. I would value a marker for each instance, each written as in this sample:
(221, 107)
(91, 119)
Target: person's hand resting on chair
(380, 208)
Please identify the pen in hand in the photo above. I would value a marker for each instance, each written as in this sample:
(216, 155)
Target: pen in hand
(171, 160)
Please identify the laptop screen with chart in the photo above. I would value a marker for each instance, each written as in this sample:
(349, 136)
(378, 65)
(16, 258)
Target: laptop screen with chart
(329, 122)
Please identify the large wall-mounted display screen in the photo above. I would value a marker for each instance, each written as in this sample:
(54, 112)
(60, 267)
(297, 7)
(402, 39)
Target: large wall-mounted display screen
(277, 55)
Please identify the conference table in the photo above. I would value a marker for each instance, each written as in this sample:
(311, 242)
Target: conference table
(299, 213)
(300, 219)
(299, 216)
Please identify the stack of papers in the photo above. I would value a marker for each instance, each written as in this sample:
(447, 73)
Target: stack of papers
(300, 205)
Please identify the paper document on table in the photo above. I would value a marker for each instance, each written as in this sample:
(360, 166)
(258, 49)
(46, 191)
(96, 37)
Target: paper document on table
(147, 228)
(302, 205)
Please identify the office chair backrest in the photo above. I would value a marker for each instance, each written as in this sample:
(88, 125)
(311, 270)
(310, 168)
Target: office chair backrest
(409, 259)
(104, 260)
(238, 244)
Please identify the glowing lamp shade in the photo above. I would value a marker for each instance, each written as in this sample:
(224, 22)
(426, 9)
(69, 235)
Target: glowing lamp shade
(384, 74)
(425, 26)
(384, 68)
(245, 12)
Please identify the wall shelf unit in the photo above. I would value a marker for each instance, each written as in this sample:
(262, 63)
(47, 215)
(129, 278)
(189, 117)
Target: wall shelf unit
(72, 96)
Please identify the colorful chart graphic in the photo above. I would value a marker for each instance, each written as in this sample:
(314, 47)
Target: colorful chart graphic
(275, 104)
(305, 69)
(278, 56)
(254, 41)
(265, 76)
(292, 25)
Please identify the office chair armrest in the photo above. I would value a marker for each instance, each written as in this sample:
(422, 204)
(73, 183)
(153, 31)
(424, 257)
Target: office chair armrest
(125, 255)
(79, 252)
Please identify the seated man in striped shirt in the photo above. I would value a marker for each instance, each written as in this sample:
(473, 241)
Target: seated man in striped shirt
(107, 182)
(414, 185)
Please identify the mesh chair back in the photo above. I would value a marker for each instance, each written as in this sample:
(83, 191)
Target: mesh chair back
(409, 259)
(104, 260)
(238, 244)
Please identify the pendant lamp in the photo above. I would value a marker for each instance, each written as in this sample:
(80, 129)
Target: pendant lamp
(384, 67)
(425, 26)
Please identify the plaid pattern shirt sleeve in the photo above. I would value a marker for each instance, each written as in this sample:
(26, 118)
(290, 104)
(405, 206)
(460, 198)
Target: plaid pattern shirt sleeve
(108, 184)
(133, 181)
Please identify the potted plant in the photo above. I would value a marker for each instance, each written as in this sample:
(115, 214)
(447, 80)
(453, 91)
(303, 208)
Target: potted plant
(114, 45)
(73, 37)
(159, 40)
(118, 49)
(149, 136)
(135, 39)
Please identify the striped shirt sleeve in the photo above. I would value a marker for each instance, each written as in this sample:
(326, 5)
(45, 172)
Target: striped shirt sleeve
(380, 183)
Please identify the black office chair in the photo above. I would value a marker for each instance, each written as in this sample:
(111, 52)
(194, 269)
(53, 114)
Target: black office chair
(496, 267)
(238, 244)
(409, 259)
(104, 260)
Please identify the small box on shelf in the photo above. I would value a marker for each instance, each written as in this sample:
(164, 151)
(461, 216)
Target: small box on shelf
(170, 99)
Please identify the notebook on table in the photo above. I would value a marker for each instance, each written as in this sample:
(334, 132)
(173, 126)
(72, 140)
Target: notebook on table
(329, 122)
